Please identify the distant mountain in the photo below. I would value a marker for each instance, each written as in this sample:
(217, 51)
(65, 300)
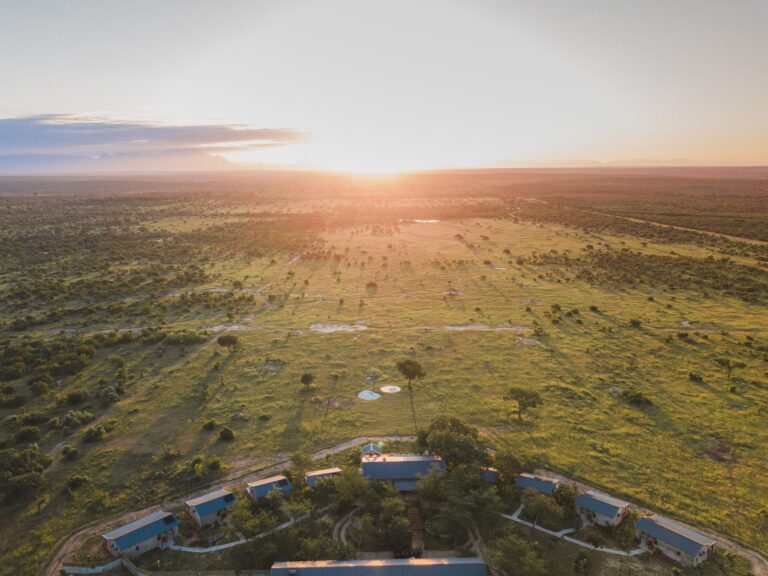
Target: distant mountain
(171, 161)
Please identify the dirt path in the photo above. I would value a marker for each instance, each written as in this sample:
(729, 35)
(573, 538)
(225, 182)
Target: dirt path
(234, 479)
(676, 227)
(758, 563)
(660, 224)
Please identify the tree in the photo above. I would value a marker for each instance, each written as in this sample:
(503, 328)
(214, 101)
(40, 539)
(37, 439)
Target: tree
(515, 556)
(457, 442)
(21, 472)
(542, 509)
(725, 363)
(301, 462)
(565, 495)
(763, 515)
(396, 534)
(729, 365)
(526, 399)
(351, 488)
(226, 434)
(510, 463)
(411, 370)
(395, 528)
(307, 378)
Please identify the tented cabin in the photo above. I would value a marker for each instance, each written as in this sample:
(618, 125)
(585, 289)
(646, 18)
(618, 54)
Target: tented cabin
(490, 475)
(403, 470)
(541, 484)
(600, 509)
(142, 535)
(678, 542)
(384, 567)
(262, 488)
(211, 508)
(312, 478)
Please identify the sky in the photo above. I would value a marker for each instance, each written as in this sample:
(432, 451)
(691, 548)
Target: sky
(372, 86)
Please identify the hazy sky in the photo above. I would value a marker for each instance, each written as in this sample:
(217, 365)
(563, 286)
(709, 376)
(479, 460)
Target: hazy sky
(387, 85)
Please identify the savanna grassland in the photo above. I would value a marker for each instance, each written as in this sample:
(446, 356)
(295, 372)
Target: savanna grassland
(616, 296)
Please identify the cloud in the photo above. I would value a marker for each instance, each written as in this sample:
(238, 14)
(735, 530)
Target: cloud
(62, 134)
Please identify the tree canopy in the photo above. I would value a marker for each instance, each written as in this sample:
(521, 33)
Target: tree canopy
(457, 442)
(525, 399)
(21, 472)
(411, 370)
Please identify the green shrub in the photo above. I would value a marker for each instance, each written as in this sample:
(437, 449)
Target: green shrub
(12, 400)
(76, 418)
(26, 434)
(636, 397)
(228, 341)
(69, 453)
(75, 482)
(95, 434)
(33, 418)
(76, 396)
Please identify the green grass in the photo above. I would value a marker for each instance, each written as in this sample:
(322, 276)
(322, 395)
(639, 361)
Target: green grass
(658, 456)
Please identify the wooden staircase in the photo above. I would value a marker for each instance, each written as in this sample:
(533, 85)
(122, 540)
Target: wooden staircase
(416, 519)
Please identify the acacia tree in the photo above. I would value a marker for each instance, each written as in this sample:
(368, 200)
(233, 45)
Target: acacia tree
(307, 378)
(411, 370)
(525, 399)
(728, 365)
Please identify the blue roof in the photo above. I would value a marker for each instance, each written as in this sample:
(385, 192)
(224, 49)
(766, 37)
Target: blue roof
(400, 466)
(142, 529)
(538, 483)
(262, 488)
(406, 485)
(212, 502)
(674, 534)
(371, 449)
(601, 503)
(313, 477)
(384, 567)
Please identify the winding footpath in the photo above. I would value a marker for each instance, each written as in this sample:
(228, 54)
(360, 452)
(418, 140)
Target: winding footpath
(70, 543)
(758, 562)
(564, 534)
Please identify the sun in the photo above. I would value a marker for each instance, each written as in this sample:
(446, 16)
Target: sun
(325, 156)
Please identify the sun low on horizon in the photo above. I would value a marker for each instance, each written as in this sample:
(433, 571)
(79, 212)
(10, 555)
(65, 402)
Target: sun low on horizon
(384, 288)
(366, 87)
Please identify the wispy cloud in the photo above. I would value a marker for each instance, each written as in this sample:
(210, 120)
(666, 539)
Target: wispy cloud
(53, 134)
